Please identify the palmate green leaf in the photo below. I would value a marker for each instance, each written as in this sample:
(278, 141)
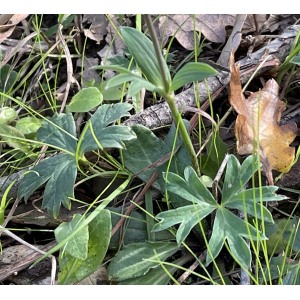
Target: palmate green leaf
(77, 247)
(232, 228)
(112, 136)
(61, 170)
(60, 132)
(226, 225)
(85, 100)
(191, 72)
(130, 262)
(237, 176)
(147, 149)
(142, 152)
(73, 269)
(143, 52)
(253, 199)
(198, 194)
(60, 186)
(188, 216)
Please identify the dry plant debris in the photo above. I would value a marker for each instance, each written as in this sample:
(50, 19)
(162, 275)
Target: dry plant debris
(212, 26)
(7, 30)
(262, 110)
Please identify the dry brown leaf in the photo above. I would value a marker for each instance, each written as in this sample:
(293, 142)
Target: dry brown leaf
(7, 30)
(212, 26)
(88, 72)
(274, 140)
(98, 29)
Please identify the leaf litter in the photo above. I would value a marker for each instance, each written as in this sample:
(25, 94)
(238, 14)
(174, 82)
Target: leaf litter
(262, 111)
(215, 28)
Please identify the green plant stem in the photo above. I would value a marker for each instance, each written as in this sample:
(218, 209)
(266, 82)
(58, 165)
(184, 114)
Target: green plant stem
(170, 98)
(158, 52)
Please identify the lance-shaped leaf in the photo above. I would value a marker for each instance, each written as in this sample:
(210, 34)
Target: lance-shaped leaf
(114, 68)
(257, 121)
(191, 72)
(141, 82)
(157, 276)
(130, 262)
(143, 52)
(112, 136)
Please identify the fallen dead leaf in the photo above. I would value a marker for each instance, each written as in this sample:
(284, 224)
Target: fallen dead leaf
(88, 72)
(212, 26)
(7, 30)
(265, 106)
(113, 36)
(98, 29)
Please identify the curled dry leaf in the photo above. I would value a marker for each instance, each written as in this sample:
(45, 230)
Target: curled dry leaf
(7, 30)
(266, 108)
